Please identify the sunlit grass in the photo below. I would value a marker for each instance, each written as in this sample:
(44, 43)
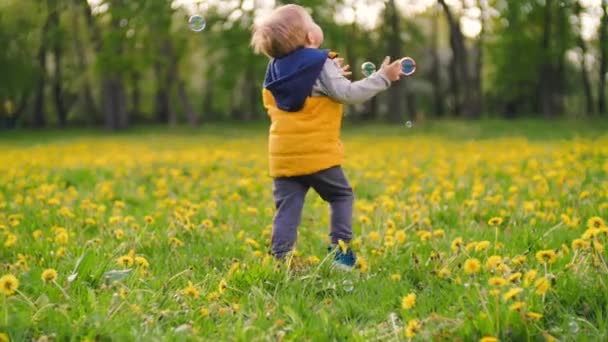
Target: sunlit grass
(164, 234)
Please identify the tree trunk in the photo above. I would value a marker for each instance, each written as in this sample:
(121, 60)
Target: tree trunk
(55, 39)
(436, 70)
(479, 103)
(86, 92)
(166, 75)
(394, 48)
(547, 78)
(114, 104)
(208, 99)
(455, 87)
(135, 111)
(603, 59)
(186, 103)
(460, 61)
(584, 69)
(560, 72)
(39, 97)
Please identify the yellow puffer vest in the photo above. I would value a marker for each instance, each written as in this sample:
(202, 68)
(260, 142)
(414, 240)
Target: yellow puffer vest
(307, 141)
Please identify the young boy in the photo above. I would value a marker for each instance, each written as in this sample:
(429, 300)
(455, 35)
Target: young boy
(304, 93)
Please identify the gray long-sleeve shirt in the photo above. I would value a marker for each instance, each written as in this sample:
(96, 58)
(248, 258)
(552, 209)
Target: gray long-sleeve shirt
(331, 83)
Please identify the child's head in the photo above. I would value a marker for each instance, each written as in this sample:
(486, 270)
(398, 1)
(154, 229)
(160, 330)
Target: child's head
(288, 28)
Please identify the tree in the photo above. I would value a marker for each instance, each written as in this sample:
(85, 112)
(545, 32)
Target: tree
(603, 41)
(393, 38)
(589, 106)
(460, 65)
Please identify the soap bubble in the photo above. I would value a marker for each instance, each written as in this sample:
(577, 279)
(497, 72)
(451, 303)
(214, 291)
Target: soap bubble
(368, 68)
(573, 327)
(348, 285)
(409, 124)
(197, 23)
(408, 66)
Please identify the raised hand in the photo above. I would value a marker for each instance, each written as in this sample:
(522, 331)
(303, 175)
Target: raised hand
(392, 71)
(345, 68)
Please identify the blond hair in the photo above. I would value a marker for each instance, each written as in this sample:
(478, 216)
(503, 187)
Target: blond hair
(282, 32)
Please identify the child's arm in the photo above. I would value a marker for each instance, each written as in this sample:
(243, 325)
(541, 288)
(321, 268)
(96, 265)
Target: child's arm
(332, 83)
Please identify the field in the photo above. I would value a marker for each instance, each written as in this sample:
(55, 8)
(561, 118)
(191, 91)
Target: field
(465, 231)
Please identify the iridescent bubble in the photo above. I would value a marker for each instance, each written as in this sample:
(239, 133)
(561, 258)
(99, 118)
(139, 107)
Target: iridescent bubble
(573, 327)
(409, 124)
(408, 66)
(197, 23)
(368, 68)
(348, 285)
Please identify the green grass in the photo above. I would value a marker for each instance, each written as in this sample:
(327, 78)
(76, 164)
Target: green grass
(209, 188)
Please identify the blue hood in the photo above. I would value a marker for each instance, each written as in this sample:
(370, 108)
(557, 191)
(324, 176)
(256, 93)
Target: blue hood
(290, 78)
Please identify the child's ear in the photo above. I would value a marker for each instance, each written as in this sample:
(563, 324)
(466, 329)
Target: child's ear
(310, 38)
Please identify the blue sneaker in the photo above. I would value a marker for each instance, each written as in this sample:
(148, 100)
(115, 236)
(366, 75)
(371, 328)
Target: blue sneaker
(344, 261)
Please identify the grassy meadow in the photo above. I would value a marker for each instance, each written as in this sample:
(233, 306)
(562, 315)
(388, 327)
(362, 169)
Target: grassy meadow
(466, 231)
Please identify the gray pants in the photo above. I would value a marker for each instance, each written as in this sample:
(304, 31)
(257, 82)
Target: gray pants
(289, 193)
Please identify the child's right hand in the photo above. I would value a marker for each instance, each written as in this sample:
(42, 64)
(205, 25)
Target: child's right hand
(392, 71)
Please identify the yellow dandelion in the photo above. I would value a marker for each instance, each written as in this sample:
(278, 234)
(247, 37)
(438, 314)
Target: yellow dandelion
(493, 261)
(512, 293)
(408, 301)
(191, 290)
(11, 240)
(62, 237)
(204, 312)
(439, 233)
(542, 285)
(595, 222)
(222, 286)
(413, 326)
(374, 236)
(251, 242)
(443, 273)
(529, 277)
(125, 261)
(49, 275)
(400, 236)
(8, 284)
(489, 339)
(497, 281)
(482, 246)
(362, 264)
(598, 247)
(457, 244)
(546, 256)
(207, 223)
(495, 221)
(4, 337)
(119, 234)
(517, 306)
(37, 234)
(213, 295)
(518, 260)
(141, 262)
(548, 337)
(534, 316)
(149, 219)
(396, 277)
(313, 260)
(175, 242)
(515, 277)
(364, 220)
(472, 266)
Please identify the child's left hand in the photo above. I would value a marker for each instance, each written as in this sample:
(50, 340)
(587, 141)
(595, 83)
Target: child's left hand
(345, 68)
